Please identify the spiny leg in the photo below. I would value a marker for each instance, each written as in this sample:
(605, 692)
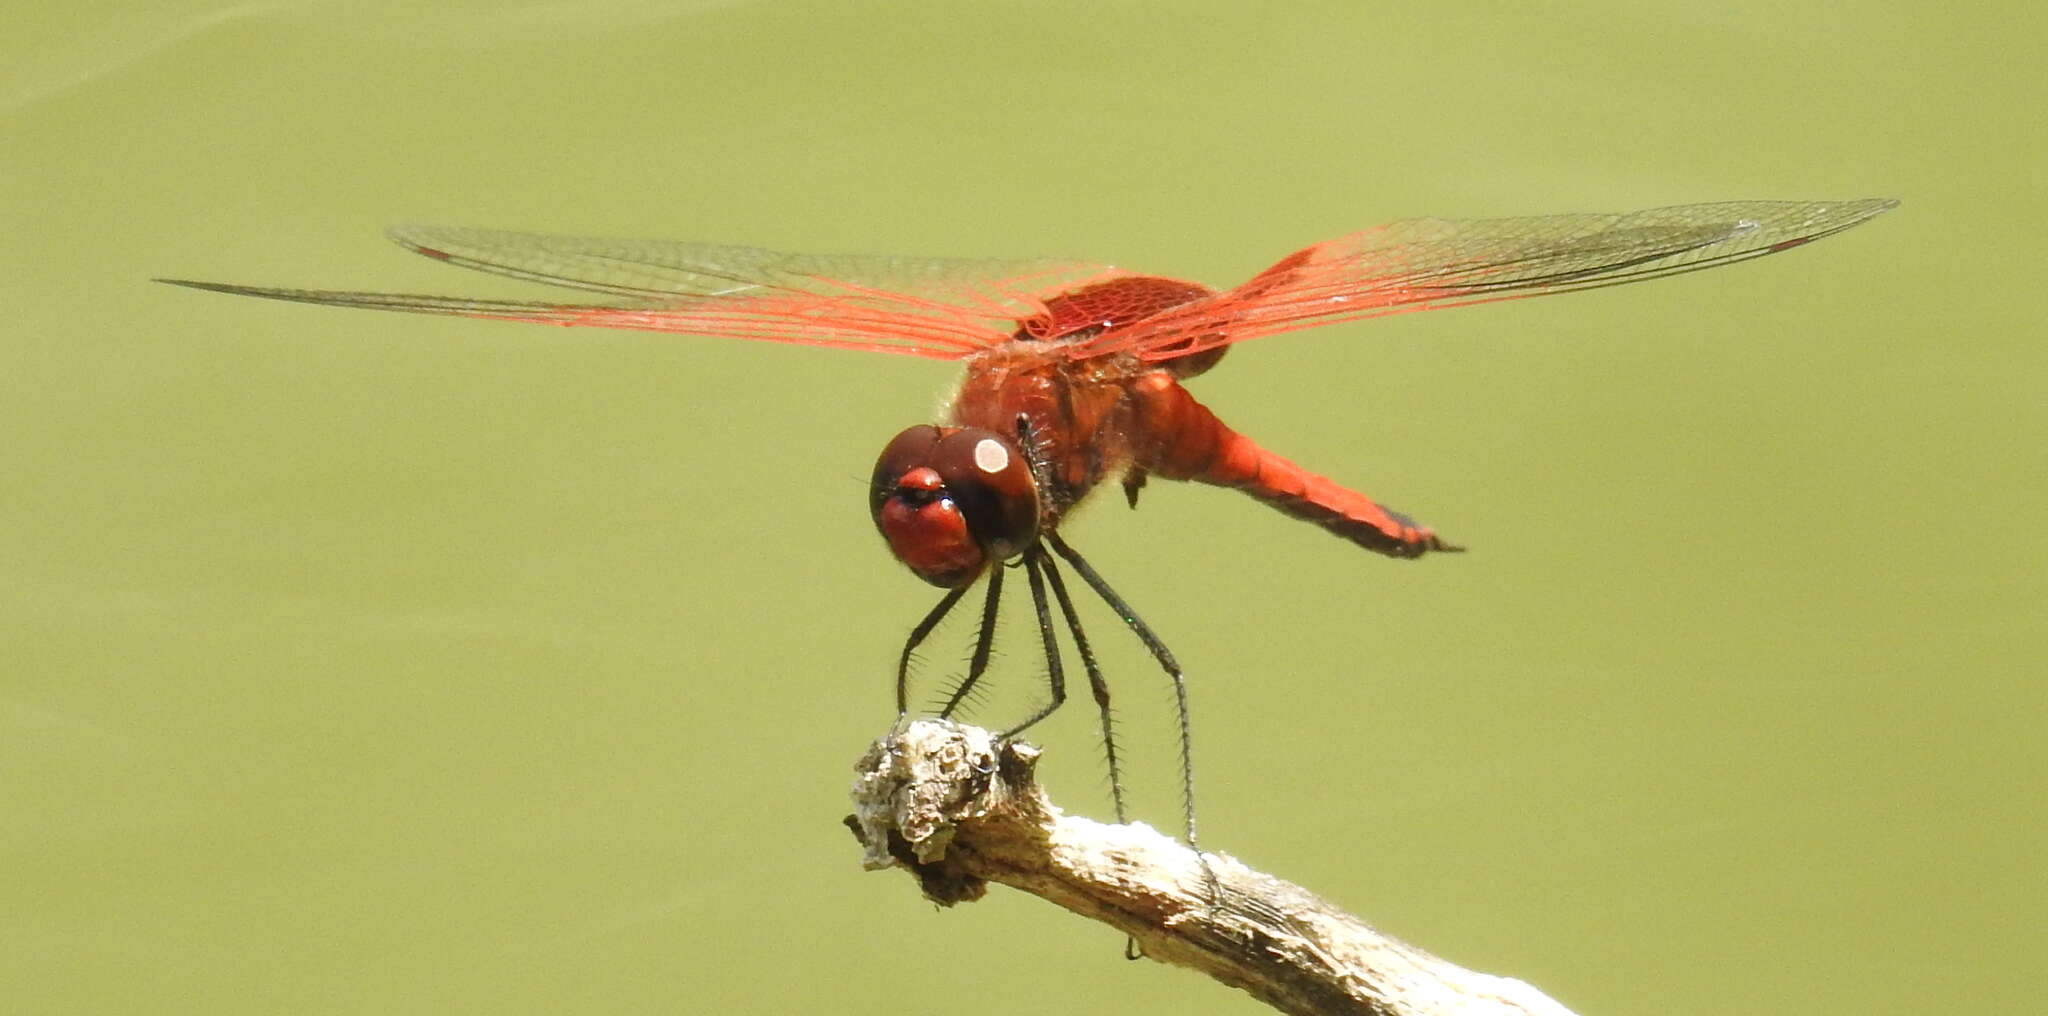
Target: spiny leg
(984, 640)
(917, 635)
(1095, 683)
(1166, 662)
(1056, 676)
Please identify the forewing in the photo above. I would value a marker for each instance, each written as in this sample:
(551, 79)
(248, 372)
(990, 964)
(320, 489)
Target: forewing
(933, 307)
(1419, 264)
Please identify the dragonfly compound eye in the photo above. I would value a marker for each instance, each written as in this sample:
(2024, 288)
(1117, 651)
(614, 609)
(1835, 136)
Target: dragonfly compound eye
(948, 500)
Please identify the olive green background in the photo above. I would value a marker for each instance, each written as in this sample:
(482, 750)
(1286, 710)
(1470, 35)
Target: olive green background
(372, 664)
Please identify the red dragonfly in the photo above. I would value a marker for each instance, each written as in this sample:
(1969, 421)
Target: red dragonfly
(1074, 370)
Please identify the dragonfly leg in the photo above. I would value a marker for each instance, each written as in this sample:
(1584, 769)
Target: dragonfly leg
(1166, 663)
(1180, 697)
(984, 641)
(1056, 676)
(918, 635)
(1096, 683)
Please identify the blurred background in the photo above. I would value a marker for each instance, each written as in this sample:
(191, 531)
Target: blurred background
(360, 663)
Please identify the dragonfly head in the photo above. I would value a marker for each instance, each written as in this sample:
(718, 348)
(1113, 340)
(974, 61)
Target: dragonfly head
(951, 500)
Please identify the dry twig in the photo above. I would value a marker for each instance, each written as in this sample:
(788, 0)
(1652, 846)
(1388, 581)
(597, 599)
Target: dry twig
(959, 809)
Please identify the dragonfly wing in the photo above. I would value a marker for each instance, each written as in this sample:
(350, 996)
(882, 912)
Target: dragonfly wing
(868, 326)
(655, 269)
(941, 308)
(415, 303)
(1419, 264)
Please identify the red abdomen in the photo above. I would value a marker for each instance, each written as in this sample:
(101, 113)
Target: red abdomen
(1180, 439)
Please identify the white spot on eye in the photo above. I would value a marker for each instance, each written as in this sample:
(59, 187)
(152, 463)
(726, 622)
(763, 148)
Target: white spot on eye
(990, 456)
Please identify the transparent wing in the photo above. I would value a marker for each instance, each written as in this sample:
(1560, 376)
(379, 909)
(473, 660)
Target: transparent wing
(940, 308)
(1420, 264)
